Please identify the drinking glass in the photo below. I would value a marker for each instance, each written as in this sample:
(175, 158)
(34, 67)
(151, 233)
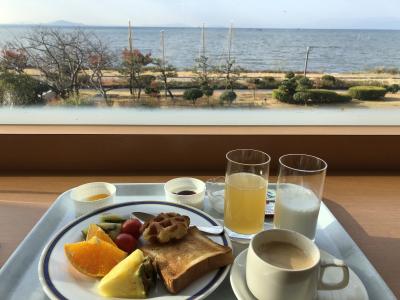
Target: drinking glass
(246, 184)
(299, 191)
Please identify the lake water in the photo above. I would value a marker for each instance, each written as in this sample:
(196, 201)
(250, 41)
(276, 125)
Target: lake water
(259, 49)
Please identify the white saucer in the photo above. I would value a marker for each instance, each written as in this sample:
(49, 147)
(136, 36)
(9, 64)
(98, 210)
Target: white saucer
(355, 290)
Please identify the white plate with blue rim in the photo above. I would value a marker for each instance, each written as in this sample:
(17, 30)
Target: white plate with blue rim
(355, 290)
(61, 281)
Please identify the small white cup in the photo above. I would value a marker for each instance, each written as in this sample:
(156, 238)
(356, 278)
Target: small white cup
(267, 281)
(216, 192)
(177, 185)
(80, 195)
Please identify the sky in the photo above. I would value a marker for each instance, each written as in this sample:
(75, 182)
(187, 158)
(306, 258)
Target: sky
(357, 14)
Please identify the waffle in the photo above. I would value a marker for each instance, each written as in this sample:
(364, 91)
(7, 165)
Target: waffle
(165, 227)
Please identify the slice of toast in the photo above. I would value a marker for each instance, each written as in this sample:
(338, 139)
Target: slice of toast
(181, 262)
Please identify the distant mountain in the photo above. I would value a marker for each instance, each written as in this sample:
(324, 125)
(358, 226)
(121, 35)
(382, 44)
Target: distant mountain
(64, 23)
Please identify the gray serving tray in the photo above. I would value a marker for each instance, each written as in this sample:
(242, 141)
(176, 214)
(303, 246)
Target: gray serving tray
(19, 276)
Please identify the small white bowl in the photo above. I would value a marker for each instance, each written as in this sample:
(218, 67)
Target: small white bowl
(177, 185)
(80, 195)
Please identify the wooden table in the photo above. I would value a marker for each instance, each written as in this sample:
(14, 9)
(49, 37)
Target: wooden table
(368, 206)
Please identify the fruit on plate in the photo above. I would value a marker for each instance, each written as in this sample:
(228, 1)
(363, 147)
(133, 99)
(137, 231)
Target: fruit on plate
(112, 229)
(95, 257)
(132, 227)
(94, 230)
(126, 242)
(131, 278)
(112, 218)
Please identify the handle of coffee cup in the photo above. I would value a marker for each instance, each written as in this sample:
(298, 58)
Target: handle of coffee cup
(337, 263)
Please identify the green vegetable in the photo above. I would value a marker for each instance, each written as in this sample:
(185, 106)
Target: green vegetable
(112, 218)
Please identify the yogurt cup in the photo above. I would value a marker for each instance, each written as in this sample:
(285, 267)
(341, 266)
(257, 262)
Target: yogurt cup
(81, 195)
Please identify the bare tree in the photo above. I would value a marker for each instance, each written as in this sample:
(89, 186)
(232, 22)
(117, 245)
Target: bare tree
(231, 73)
(229, 68)
(133, 63)
(252, 83)
(58, 55)
(165, 72)
(164, 69)
(99, 58)
(202, 70)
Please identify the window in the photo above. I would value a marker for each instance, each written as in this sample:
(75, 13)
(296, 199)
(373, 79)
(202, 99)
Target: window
(200, 62)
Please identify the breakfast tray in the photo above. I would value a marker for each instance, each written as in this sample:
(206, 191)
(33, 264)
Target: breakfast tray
(19, 275)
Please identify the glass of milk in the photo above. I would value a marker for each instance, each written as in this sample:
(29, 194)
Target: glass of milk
(299, 191)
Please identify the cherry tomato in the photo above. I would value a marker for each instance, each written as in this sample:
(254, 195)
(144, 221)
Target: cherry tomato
(126, 242)
(132, 227)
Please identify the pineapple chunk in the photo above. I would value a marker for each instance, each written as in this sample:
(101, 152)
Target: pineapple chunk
(125, 279)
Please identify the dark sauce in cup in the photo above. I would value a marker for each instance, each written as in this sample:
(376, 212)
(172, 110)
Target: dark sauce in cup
(185, 193)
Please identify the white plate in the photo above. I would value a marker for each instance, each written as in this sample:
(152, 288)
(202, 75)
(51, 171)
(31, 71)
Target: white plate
(354, 291)
(61, 281)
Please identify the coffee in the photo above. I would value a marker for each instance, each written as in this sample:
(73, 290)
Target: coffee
(285, 255)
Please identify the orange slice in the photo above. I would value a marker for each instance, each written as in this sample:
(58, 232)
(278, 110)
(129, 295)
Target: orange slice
(95, 257)
(96, 231)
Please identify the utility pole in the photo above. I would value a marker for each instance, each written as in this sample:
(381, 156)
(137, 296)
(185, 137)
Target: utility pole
(163, 60)
(202, 56)
(306, 61)
(230, 37)
(162, 49)
(229, 63)
(203, 43)
(130, 41)
(132, 90)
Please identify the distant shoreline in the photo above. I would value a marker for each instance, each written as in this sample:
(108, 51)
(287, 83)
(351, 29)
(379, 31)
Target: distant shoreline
(192, 27)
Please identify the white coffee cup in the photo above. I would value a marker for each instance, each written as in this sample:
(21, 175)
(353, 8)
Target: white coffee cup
(267, 281)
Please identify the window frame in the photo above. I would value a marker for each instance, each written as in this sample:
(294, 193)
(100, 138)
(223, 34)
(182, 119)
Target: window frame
(188, 149)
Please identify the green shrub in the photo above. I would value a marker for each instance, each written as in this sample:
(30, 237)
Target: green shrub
(228, 96)
(281, 95)
(367, 92)
(77, 100)
(217, 85)
(21, 89)
(269, 79)
(236, 85)
(286, 89)
(268, 82)
(146, 80)
(207, 90)
(319, 97)
(289, 75)
(327, 77)
(304, 83)
(331, 85)
(175, 84)
(393, 88)
(2, 92)
(192, 94)
(153, 89)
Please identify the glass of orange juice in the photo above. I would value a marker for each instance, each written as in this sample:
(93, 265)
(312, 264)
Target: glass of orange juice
(246, 182)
